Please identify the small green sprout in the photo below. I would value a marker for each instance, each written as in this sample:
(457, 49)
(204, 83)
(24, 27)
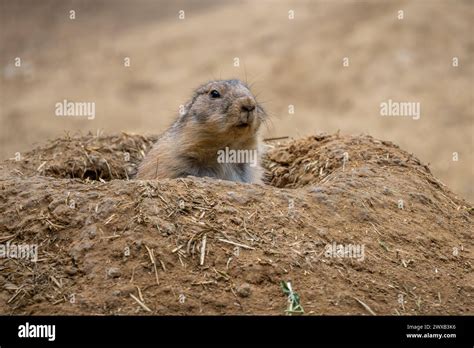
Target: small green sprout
(294, 305)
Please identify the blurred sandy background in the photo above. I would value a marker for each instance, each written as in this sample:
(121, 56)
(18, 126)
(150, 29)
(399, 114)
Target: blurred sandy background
(290, 62)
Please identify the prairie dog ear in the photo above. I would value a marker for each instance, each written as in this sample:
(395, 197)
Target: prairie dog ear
(202, 89)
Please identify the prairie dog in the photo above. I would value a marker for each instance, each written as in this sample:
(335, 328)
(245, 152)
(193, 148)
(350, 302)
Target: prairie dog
(216, 135)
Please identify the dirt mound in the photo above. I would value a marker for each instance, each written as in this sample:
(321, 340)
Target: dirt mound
(108, 245)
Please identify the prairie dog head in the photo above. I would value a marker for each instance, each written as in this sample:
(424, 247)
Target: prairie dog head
(226, 108)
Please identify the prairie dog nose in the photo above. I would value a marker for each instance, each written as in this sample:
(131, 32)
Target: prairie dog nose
(247, 108)
(247, 104)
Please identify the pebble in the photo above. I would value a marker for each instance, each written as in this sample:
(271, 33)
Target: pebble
(244, 290)
(114, 272)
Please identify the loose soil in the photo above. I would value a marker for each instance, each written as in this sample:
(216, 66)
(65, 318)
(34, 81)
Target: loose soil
(201, 246)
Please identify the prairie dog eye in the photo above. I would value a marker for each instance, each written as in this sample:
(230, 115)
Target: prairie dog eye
(214, 94)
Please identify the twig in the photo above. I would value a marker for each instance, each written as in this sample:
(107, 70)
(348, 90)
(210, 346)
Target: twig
(162, 265)
(140, 295)
(177, 248)
(55, 281)
(228, 262)
(144, 306)
(203, 250)
(276, 138)
(375, 228)
(111, 217)
(20, 289)
(365, 306)
(41, 166)
(152, 258)
(133, 274)
(236, 244)
(11, 236)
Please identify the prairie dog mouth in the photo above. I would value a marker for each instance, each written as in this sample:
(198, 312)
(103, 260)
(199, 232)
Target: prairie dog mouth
(245, 119)
(242, 125)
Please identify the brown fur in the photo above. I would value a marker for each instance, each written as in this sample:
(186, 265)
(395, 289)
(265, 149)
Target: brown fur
(190, 146)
